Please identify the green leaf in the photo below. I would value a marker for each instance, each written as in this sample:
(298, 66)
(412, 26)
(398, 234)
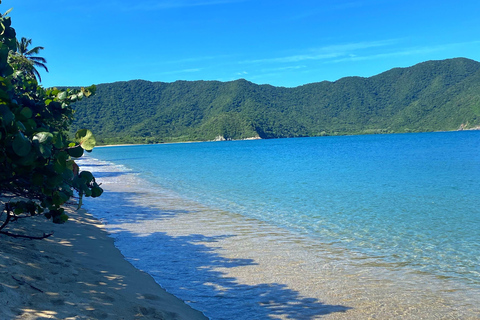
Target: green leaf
(26, 112)
(21, 126)
(76, 151)
(67, 174)
(60, 198)
(7, 116)
(45, 150)
(58, 140)
(87, 175)
(30, 124)
(62, 95)
(43, 137)
(21, 145)
(28, 160)
(59, 167)
(86, 139)
(96, 191)
(42, 141)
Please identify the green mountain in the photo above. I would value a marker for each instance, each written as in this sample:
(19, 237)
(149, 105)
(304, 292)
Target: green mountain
(430, 96)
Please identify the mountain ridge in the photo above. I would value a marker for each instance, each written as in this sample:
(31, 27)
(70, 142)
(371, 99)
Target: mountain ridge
(436, 95)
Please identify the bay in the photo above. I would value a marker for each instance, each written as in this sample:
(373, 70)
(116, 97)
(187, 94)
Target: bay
(387, 206)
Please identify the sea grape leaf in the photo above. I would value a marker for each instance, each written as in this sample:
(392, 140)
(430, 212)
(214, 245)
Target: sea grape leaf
(28, 160)
(30, 124)
(21, 145)
(7, 116)
(59, 167)
(76, 151)
(43, 143)
(62, 95)
(87, 175)
(86, 139)
(96, 191)
(43, 137)
(20, 126)
(67, 175)
(58, 140)
(26, 112)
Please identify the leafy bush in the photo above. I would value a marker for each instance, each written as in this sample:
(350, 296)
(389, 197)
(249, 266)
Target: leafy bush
(38, 173)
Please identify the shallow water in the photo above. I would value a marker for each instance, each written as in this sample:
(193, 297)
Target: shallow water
(301, 228)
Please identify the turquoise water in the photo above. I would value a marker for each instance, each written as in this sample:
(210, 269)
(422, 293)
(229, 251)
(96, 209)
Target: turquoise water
(409, 200)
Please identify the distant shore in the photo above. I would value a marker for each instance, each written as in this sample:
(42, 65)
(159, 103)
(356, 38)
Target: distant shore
(258, 138)
(77, 273)
(147, 144)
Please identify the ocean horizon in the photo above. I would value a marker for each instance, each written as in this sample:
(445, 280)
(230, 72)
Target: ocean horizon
(304, 227)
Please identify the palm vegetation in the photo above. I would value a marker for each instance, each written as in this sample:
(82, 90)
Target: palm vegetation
(27, 59)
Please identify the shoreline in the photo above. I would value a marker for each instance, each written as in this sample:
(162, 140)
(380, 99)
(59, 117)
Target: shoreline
(254, 138)
(77, 273)
(261, 269)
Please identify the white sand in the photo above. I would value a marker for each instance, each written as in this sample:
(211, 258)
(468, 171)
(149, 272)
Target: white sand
(77, 273)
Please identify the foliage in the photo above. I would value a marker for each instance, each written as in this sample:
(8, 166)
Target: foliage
(38, 173)
(27, 58)
(431, 96)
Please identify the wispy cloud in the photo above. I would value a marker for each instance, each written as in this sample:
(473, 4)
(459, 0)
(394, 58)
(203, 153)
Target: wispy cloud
(284, 68)
(327, 52)
(406, 52)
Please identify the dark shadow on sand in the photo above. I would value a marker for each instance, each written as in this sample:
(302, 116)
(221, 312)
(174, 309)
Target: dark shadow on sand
(191, 270)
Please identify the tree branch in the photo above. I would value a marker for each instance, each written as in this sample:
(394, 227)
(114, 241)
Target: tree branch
(8, 218)
(45, 235)
(25, 282)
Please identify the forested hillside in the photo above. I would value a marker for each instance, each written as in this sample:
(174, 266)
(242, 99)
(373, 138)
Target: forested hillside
(430, 96)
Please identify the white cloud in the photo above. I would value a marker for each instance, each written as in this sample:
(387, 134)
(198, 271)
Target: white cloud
(407, 52)
(327, 52)
(284, 68)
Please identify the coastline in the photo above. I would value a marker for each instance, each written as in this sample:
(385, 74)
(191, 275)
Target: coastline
(258, 138)
(77, 273)
(258, 268)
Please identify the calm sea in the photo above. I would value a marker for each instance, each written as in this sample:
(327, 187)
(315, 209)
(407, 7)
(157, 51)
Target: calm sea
(396, 205)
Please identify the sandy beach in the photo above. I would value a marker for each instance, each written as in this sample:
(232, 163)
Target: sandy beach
(77, 273)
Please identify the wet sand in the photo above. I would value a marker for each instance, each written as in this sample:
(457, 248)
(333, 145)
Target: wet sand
(264, 272)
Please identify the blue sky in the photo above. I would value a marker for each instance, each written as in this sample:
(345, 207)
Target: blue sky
(282, 43)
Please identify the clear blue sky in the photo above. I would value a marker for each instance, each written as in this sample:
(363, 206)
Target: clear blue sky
(282, 43)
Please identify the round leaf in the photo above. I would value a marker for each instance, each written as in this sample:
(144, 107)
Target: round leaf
(86, 139)
(62, 95)
(75, 152)
(6, 115)
(87, 175)
(21, 145)
(43, 137)
(96, 192)
(26, 112)
(43, 144)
